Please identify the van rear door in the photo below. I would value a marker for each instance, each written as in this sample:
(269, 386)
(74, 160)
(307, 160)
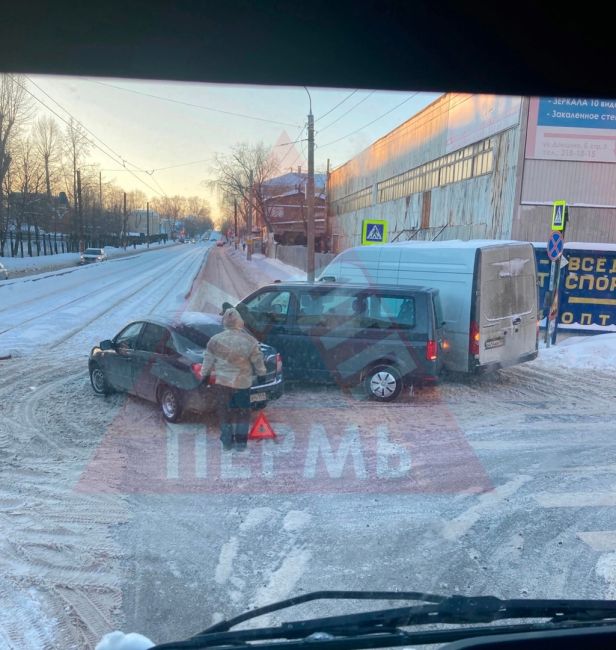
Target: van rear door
(506, 311)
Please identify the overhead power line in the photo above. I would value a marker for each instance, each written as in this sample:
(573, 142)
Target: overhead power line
(179, 101)
(160, 169)
(361, 101)
(297, 139)
(336, 106)
(376, 119)
(113, 156)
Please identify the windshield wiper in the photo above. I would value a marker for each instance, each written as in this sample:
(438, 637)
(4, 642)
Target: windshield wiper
(382, 628)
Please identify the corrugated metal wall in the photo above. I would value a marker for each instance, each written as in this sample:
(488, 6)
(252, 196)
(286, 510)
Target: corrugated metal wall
(413, 143)
(482, 206)
(589, 188)
(589, 183)
(585, 224)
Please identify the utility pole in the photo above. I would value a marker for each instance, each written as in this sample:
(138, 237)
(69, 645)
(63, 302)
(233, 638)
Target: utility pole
(249, 219)
(100, 190)
(124, 220)
(310, 198)
(235, 220)
(80, 212)
(147, 216)
(328, 225)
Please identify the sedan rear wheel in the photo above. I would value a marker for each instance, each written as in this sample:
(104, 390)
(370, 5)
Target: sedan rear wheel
(170, 403)
(383, 383)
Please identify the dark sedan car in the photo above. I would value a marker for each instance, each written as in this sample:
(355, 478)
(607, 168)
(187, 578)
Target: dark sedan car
(159, 359)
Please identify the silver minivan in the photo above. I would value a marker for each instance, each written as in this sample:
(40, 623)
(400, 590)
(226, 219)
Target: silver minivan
(488, 291)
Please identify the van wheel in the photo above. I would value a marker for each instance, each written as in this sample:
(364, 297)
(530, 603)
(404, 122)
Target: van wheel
(383, 383)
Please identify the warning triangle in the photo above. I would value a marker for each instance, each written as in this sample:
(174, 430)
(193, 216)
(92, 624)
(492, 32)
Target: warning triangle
(375, 233)
(261, 429)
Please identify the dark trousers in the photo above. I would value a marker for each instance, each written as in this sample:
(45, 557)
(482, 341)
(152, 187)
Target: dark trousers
(233, 411)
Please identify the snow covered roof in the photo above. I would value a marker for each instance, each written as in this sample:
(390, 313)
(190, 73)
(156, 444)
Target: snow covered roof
(294, 178)
(317, 194)
(459, 243)
(580, 246)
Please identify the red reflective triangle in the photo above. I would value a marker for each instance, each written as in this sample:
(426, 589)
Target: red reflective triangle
(261, 429)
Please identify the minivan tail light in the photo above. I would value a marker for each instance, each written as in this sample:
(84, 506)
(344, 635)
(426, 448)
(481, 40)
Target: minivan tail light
(278, 363)
(474, 338)
(431, 350)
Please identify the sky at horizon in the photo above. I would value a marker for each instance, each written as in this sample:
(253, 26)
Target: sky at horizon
(167, 133)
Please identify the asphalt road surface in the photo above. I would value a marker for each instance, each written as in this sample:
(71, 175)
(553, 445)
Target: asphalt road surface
(113, 519)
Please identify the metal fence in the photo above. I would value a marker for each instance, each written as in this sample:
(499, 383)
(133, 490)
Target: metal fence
(29, 245)
(297, 255)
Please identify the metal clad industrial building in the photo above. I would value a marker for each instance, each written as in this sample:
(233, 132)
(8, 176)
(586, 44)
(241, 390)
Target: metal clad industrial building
(474, 166)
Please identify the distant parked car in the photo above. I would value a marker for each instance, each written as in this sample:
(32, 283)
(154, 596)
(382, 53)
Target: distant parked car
(93, 255)
(160, 361)
(220, 242)
(4, 274)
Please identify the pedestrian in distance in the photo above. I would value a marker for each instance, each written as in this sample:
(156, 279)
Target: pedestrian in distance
(235, 357)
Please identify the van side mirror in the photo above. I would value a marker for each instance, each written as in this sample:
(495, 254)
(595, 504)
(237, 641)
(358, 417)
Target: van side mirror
(106, 345)
(327, 278)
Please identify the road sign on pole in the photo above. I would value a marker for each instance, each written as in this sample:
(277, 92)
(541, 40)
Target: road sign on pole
(556, 243)
(374, 231)
(559, 215)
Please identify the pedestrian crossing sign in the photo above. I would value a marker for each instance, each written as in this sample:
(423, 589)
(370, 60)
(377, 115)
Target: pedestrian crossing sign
(374, 231)
(559, 215)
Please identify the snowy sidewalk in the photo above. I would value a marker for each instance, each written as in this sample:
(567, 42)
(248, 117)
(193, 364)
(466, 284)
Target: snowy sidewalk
(596, 352)
(269, 268)
(21, 266)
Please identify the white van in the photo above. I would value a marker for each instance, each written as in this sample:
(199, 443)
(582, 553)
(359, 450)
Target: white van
(488, 292)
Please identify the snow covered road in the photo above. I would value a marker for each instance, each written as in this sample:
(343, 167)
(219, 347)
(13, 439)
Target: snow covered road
(81, 304)
(111, 518)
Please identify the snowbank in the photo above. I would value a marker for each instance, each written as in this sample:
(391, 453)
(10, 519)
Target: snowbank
(63, 260)
(581, 352)
(270, 268)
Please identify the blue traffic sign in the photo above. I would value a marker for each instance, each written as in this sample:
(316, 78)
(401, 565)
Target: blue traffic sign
(556, 243)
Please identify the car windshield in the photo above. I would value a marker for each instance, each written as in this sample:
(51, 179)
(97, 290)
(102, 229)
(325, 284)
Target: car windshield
(436, 417)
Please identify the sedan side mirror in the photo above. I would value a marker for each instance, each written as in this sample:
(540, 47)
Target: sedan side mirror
(106, 345)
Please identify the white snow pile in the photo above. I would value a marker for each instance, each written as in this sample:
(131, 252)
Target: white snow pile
(270, 269)
(63, 260)
(596, 352)
(119, 641)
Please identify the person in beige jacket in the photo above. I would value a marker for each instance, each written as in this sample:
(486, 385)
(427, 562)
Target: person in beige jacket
(235, 357)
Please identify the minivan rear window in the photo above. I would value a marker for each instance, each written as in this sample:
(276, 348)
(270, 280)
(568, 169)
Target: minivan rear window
(510, 297)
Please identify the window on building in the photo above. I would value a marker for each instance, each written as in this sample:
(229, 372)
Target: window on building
(474, 160)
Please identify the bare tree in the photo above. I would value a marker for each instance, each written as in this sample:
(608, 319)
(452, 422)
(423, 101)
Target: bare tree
(14, 107)
(233, 173)
(28, 200)
(76, 149)
(198, 217)
(47, 142)
(46, 135)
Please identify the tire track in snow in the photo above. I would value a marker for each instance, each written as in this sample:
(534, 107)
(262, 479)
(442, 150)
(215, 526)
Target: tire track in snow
(57, 557)
(278, 571)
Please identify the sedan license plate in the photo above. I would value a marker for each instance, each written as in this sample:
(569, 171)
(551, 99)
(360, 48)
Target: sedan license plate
(495, 343)
(258, 397)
